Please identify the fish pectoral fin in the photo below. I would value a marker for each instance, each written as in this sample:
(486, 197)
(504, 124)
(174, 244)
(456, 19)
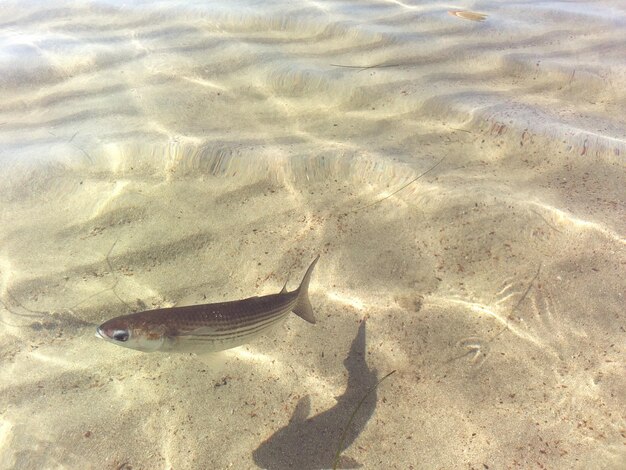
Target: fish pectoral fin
(202, 331)
(199, 336)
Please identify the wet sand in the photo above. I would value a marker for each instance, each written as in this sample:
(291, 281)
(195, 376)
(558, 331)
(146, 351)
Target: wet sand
(156, 154)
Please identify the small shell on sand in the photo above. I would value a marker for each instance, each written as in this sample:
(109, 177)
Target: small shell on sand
(468, 15)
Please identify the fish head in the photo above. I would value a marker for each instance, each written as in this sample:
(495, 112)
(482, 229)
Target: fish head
(130, 333)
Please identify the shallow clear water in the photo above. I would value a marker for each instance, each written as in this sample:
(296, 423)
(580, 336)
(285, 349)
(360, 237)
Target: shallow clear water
(463, 181)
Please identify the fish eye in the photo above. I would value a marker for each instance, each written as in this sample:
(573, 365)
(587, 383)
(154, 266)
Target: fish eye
(121, 335)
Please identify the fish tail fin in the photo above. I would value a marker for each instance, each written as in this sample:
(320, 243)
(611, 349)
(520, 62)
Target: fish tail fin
(303, 307)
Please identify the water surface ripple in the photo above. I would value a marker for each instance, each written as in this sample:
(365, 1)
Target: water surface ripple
(460, 169)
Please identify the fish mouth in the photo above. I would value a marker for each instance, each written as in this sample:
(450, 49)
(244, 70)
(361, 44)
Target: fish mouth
(100, 333)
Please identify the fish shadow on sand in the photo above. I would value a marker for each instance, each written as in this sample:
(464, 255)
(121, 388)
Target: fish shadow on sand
(311, 443)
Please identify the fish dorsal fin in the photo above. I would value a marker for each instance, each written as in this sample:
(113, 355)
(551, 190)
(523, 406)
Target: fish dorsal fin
(284, 289)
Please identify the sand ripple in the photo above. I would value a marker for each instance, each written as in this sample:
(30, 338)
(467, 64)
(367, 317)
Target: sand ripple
(152, 153)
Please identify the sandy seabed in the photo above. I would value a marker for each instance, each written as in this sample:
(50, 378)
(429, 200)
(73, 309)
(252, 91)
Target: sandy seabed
(462, 177)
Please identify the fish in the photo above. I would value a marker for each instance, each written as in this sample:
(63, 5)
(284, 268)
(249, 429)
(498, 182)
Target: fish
(208, 327)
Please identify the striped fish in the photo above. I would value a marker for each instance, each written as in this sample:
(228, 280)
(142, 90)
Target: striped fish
(208, 327)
